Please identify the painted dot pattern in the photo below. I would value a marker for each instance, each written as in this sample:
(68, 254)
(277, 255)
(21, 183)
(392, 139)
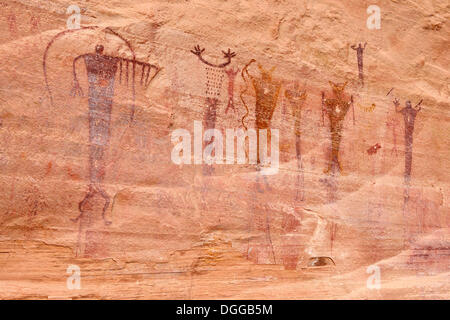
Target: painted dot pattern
(214, 80)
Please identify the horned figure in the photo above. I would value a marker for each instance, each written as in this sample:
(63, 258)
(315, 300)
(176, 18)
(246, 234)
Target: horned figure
(214, 76)
(296, 98)
(231, 73)
(266, 94)
(359, 54)
(336, 108)
(266, 90)
(101, 73)
(409, 116)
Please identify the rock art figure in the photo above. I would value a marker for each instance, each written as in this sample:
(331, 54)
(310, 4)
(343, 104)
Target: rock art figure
(231, 73)
(296, 98)
(359, 54)
(409, 115)
(367, 108)
(101, 75)
(101, 72)
(214, 76)
(34, 22)
(266, 90)
(336, 108)
(12, 23)
(392, 123)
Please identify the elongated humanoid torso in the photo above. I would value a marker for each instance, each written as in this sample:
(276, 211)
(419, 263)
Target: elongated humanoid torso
(409, 115)
(266, 101)
(336, 108)
(101, 72)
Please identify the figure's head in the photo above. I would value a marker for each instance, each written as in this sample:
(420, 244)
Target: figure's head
(338, 88)
(99, 49)
(303, 95)
(292, 95)
(266, 75)
(408, 104)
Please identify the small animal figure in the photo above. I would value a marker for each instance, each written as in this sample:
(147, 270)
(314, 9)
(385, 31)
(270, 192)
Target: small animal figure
(373, 149)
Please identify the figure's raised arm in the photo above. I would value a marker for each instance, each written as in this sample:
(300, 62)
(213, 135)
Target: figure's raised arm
(231, 72)
(227, 54)
(76, 89)
(396, 104)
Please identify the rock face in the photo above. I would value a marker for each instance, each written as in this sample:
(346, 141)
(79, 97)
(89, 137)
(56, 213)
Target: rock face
(106, 189)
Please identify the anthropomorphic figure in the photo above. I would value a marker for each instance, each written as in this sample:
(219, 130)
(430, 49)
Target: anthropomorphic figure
(359, 54)
(296, 98)
(392, 123)
(104, 72)
(101, 73)
(34, 22)
(231, 73)
(267, 90)
(214, 75)
(12, 22)
(409, 116)
(336, 108)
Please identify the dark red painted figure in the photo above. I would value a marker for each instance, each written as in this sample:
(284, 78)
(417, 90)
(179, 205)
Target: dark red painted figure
(101, 72)
(214, 74)
(231, 73)
(409, 115)
(101, 75)
(359, 54)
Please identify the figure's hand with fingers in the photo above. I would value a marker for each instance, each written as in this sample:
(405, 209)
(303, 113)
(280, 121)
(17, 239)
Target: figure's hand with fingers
(76, 90)
(197, 50)
(228, 54)
(396, 102)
